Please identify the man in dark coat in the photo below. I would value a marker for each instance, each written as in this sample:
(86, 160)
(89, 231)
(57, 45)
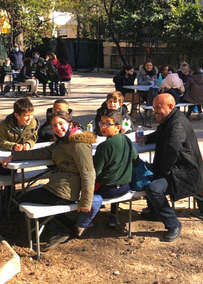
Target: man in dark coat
(16, 56)
(177, 164)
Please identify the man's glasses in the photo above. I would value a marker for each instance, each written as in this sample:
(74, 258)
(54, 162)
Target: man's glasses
(106, 124)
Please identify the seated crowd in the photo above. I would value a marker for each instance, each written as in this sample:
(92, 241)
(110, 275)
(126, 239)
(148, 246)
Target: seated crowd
(35, 70)
(86, 179)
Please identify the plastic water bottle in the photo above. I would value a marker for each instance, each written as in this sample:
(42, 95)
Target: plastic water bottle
(159, 80)
(90, 127)
(140, 136)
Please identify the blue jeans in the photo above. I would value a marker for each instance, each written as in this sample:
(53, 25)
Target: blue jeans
(104, 192)
(156, 192)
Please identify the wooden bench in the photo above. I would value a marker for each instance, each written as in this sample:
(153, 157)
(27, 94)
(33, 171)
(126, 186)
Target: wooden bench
(149, 118)
(37, 211)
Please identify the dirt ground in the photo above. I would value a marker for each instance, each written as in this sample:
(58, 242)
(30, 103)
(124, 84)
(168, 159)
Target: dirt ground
(105, 255)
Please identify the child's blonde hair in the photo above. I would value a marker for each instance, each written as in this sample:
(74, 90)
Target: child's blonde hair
(184, 64)
(116, 95)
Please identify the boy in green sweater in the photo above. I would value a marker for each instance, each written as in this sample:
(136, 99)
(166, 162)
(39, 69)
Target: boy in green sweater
(114, 160)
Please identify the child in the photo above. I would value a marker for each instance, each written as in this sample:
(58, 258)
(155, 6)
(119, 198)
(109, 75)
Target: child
(45, 132)
(74, 177)
(18, 131)
(114, 100)
(26, 77)
(5, 68)
(53, 77)
(184, 71)
(113, 161)
(41, 73)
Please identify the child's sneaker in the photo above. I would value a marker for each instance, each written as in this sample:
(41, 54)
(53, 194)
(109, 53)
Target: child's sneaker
(112, 221)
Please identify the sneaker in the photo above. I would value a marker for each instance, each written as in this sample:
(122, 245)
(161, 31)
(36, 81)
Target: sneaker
(79, 231)
(112, 221)
(195, 109)
(173, 234)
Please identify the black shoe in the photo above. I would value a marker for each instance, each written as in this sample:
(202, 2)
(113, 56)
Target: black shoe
(149, 215)
(55, 235)
(173, 234)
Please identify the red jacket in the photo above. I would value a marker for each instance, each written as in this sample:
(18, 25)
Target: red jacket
(65, 71)
(55, 62)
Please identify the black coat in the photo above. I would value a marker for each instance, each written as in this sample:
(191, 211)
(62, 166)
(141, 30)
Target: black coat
(120, 80)
(177, 156)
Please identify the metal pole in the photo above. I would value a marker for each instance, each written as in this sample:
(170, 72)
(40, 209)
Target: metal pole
(98, 42)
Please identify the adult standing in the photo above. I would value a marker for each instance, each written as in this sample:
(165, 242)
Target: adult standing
(16, 56)
(177, 164)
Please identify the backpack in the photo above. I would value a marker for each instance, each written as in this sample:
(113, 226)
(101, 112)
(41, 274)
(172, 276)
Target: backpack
(62, 89)
(153, 92)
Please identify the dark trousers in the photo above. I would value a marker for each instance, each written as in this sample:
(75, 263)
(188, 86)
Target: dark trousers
(53, 88)
(111, 192)
(156, 192)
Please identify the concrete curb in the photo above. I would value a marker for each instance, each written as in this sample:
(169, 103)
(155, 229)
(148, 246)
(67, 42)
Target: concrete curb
(12, 267)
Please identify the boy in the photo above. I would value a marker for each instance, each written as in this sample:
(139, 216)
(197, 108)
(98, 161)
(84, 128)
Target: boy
(45, 132)
(114, 101)
(113, 161)
(18, 131)
(41, 73)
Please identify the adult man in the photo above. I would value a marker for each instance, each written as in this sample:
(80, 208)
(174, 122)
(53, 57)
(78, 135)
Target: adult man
(16, 56)
(177, 164)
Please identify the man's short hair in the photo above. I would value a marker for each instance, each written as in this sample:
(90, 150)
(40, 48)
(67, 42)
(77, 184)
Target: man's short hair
(23, 105)
(116, 95)
(184, 64)
(114, 114)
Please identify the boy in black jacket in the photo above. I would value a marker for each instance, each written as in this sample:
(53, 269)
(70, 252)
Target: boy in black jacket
(114, 101)
(41, 73)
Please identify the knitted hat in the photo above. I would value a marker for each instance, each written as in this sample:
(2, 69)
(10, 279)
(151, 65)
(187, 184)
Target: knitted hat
(40, 59)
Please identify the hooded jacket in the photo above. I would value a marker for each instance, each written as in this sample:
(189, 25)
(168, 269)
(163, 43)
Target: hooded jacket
(177, 156)
(10, 133)
(65, 71)
(172, 81)
(74, 177)
(143, 78)
(194, 89)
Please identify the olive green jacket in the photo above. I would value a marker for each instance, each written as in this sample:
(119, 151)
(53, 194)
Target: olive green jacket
(10, 133)
(74, 177)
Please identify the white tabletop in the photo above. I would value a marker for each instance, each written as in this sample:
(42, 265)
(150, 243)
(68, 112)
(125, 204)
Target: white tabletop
(14, 165)
(140, 87)
(12, 72)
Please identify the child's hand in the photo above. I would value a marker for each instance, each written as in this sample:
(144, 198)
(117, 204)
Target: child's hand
(6, 161)
(26, 147)
(18, 147)
(80, 209)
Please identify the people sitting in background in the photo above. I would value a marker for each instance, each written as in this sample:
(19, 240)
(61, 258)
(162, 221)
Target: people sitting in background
(41, 74)
(114, 101)
(74, 178)
(3, 69)
(146, 76)
(65, 70)
(26, 77)
(126, 77)
(163, 70)
(184, 71)
(45, 132)
(52, 78)
(172, 84)
(53, 58)
(35, 57)
(194, 91)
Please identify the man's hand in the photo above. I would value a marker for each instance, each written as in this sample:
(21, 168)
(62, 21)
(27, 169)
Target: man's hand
(6, 161)
(18, 147)
(80, 209)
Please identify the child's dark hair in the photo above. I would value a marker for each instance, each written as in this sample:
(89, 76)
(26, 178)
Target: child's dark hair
(27, 61)
(114, 114)
(23, 105)
(64, 115)
(61, 101)
(116, 95)
(196, 68)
